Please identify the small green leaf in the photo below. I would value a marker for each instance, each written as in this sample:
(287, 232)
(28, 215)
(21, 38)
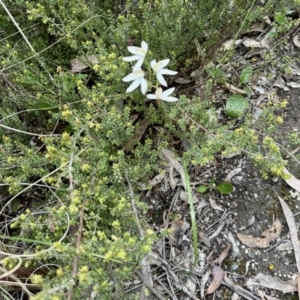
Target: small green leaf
(42, 105)
(246, 75)
(217, 74)
(224, 188)
(69, 129)
(202, 188)
(213, 180)
(280, 18)
(236, 105)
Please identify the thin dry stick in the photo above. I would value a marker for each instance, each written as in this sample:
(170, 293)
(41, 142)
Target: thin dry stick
(13, 270)
(42, 251)
(152, 289)
(17, 282)
(49, 47)
(141, 232)
(78, 243)
(39, 180)
(207, 131)
(242, 292)
(290, 154)
(18, 27)
(26, 132)
(80, 226)
(23, 35)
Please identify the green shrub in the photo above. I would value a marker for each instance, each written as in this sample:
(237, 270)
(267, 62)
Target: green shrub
(72, 170)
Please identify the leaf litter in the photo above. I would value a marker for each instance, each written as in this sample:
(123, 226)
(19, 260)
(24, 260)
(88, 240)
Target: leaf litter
(268, 235)
(214, 230)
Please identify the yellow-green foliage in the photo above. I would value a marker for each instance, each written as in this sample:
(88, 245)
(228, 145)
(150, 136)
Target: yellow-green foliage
(79, 171)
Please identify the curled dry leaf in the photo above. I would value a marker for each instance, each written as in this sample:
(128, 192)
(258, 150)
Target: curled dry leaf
(296, 41)
(268, 235)
(218, 275)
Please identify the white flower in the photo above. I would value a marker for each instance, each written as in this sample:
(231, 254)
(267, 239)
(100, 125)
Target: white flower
(139, 54)
(158, 68)
(160, 95)
(137, 76)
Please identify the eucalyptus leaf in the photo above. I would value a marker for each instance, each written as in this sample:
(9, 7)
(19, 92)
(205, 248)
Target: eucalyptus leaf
(236, 105)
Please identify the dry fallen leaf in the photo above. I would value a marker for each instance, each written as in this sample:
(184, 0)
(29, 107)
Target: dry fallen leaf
(203, 282)
(234, 89)
(293, 230)
(294, 85)
(204, 239)
(251, 43)
(231, 44)
(79, 64)
(272, 283)
(263, 296)
(223, 255)
(218, 275)
(232, 173)
(292, 181)
(175, 163)
(182, 80)
(176, 231)
(138, 135)
(269, 235)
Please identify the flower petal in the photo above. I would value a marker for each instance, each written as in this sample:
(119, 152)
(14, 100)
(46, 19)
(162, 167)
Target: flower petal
(159, 93)
(153, 63)
(138, 63)
(129, 77)
(168, 92)
(161, 80)
(151, 96)
(131, 58)
(167, 72)
(170, 99)
(133, 86)
(133, 49)
(144, 46)
(144, 86)
(163, 63)
(139, 73)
